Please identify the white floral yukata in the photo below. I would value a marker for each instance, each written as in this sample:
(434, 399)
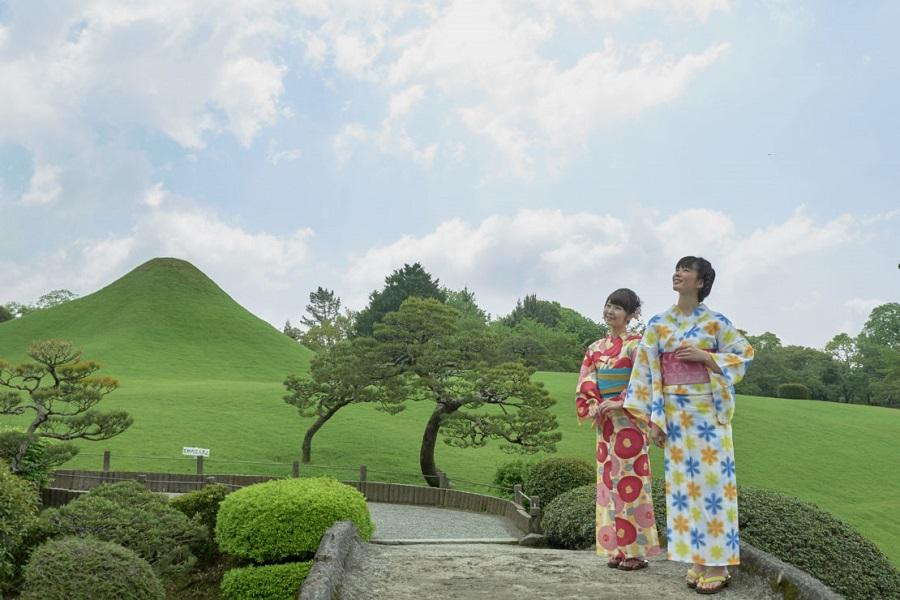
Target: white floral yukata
(701, 488)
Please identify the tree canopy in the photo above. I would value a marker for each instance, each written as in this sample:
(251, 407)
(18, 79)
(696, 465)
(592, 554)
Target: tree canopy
(408, 282)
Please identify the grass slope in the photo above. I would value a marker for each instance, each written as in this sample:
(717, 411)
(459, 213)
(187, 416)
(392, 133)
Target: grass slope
(163, 320)
(198, 370)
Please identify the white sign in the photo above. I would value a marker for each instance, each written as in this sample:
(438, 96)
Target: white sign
(195, 451)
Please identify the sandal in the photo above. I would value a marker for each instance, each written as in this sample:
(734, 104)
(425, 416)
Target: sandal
(634, 563)
(614, 561)
(692, 578)
(722, 582)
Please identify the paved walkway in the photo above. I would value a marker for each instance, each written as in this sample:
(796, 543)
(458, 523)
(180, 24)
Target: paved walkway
(419, 553)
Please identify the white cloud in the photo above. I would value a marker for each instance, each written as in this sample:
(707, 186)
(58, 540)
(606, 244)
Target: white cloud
(45, 187)
(155, 196)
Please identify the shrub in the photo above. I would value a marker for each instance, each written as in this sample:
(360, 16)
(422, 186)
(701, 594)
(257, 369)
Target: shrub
(268, 582)
(510, 474)
(569, 521)
(202, 506)
(286, 518)
(817, 542)
(18, 513)
(795, 391)
(128, 514)
(554, 476)
(73, 568)
(40, 458)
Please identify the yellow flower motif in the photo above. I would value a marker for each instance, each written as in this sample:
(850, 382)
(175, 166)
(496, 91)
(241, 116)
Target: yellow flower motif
(697, 559)
(687, 420)
(680, 390)
(748, 351)
(682, 549)
(726, 442)
(669, 410)
(676, 454)
(710, 455)
(732, 361)
(689, 443)
(734, 560)
(730, 491)
(731, 513)
(726, 395)
(641, 392)
(651, 338)
(677, 477)
(696, 515)
(716, 553)
(681, 524)
(712, 480)
(642, 357)
(693, 490)
(703, 408)
(715, 528)
(728, 337)
(712, 328)
(663, 331)
(657, 386)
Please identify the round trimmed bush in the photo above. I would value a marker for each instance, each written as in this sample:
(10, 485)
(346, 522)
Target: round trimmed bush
(202, 506)
(73, 568)
(18, 514)
(793, 391)
(125, 513)
(827, 548)
(510, 474)
(554, 476)
(569, 521)
(286, 518)
(268, 582)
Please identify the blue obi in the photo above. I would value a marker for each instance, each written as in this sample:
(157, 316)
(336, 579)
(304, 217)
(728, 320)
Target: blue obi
(612, 382)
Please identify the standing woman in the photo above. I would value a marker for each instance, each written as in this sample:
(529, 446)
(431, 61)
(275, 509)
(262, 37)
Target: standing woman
(686, 366)
(625, 524)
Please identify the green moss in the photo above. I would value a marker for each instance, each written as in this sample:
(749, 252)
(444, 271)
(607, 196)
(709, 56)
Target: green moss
(268, 582)
(284, 519)
(73, 568)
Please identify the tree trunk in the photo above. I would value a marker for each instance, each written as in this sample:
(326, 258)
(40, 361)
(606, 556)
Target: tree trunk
(307, 439)
(429, 440)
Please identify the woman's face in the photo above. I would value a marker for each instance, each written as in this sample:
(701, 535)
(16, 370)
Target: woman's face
(684, 281)
(615, 316)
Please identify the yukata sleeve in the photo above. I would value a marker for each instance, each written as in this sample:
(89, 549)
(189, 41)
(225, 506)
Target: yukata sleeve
(733, 355)
(643, 396)
(587, 397)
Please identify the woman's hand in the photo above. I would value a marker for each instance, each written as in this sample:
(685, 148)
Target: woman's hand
(609, 405)
(693, 354)
(657, 435)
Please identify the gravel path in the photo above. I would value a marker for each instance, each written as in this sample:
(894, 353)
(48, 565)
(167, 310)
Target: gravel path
(398, 522)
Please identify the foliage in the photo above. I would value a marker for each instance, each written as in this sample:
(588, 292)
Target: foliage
(882, 328)
(324, 306)
(346, 373)
(511, 473)
(794, 391)
(545, 312)
(464, 301)
(539, 346)
(444, 359)
(39, 459)
(585, 330)
(554, 476)
(408, 282)
(203, 506)
(18, 513)
(817, 542)
(285, 518)
(74, 568)
(61, 391)
(54, 298)
(268, 582)
(328, 333)
(128, 514)
(569, 520)
(6, 314)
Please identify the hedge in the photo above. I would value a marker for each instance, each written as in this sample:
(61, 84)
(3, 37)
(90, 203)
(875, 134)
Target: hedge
(795, 391)
(512, 473)
(268, 582)
(203, 507)
(569, 521)
(18, 514)
(286, 518)
(74, 568)
(554, 476)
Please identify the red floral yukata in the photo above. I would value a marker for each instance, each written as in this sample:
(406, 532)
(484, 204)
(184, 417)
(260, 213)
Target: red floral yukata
(626, 526)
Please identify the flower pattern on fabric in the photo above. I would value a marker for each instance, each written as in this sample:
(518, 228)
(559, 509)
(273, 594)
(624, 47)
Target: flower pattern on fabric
(701, 486)
(625, 522)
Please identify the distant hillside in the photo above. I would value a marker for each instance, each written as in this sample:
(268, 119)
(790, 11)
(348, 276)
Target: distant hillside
(163, 320)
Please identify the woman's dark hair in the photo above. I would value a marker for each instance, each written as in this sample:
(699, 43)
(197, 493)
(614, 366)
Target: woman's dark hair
(705, 273)
(627, 299)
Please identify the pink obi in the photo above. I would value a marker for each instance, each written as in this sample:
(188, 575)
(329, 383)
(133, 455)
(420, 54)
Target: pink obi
(682, 372)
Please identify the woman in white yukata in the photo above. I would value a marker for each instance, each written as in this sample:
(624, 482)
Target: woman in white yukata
(685, 369)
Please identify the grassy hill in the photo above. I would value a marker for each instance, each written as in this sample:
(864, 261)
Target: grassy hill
(163, 320)
(198, 370)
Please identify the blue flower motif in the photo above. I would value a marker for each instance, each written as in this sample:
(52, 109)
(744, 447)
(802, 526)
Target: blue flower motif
(733, 539)
(692, 466)
(679, 501)
(682, 400)
(713, 503)
(653, 320)
(666, 462)
(674, 431)
(697, 311)
(706, 431)
(698, 540)
(692, 332)
(657, 407)
(717, 403)
(727, 467)
(668, 533)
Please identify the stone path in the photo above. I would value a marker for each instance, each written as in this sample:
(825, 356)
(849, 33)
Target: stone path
(419, 553)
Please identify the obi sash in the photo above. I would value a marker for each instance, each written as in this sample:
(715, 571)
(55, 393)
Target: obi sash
(682, 372)
(612, 382)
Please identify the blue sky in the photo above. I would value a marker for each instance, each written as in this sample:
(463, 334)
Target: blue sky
(563, 148)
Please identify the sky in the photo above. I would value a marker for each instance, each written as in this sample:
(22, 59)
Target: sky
(558, 147)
